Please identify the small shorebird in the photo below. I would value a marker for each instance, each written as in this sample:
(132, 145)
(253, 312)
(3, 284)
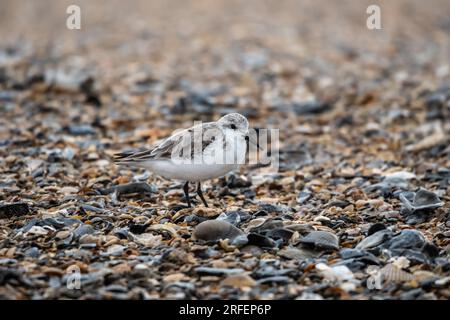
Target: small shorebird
(202, 152)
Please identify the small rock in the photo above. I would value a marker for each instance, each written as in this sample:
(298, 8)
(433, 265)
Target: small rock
(275, 280)
(374, 240)
(421, 200)
(80, 130)
(68, 190)
(148, 239)
(304, 196)
(32, 252)
(407, 239)
(423, 275)
(296, 254)
(439, 137)
(253, 250)
(14, 210)
(321, 240)
(232, 217)
(62, 234)
(239, 241)
(282, 234)
(217, 271)
(335, 273)
(238, 182)
(348, 253)
(309, 296)
(82, 230)
(115, 250)
(310, 107)
(238, 281)
(135, 187)
(213, 230)
(302, 229)
(206, 212)
(259, 240)
(37, 231)
(175, 277)
(375, 228)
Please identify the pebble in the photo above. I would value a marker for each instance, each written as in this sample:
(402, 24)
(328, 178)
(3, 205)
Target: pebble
(297, 254)
(115, 250)
(135, 187)
(335, 273)
(13, 210)
(407, 239)
(238, 281)
(217, 271)
(148, 240)
(309, 296)
(321, 240)
(232, 217)
(213, 230)
(374, 240)
(421, 200)
(83, 229)
(260, 241)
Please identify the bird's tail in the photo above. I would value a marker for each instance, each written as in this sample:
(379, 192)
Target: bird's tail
(131, 158)
(122, 156)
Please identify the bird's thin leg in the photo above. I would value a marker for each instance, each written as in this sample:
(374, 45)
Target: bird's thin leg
(186, 193)
(200, 194)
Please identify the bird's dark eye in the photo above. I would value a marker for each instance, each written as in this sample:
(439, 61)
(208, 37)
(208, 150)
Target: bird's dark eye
(233, 126)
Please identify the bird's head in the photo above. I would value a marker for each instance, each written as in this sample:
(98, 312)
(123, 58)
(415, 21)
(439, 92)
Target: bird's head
(235, 122)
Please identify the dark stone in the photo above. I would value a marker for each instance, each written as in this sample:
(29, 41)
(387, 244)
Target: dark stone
(310, 107)
(304, 196)
(214, 230)
(375, 239)
(436, 103)
(81, 130)
(238, 182)
(430, 250)
(411, 294)
(137, 228)
(135, 187)
(14, 210)
(271, 268)
(375, 228)
(420, 201)
(407, 239)
(321, 240)
(83, 229)
(260, 241)
(280, 233)
(268, 225)
(32, 252)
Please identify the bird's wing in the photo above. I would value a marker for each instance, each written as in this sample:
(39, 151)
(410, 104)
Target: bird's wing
(177, 144)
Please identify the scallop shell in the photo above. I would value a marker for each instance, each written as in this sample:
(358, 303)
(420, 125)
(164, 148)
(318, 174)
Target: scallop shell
(392, 273)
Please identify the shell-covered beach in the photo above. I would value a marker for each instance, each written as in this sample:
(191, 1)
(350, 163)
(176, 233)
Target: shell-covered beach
(358, 207)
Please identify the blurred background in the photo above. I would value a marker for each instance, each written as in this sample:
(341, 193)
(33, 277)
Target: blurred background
(312, 68)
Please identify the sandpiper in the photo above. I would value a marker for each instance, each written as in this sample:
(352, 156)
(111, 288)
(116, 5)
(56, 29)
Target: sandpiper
(202, 152)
